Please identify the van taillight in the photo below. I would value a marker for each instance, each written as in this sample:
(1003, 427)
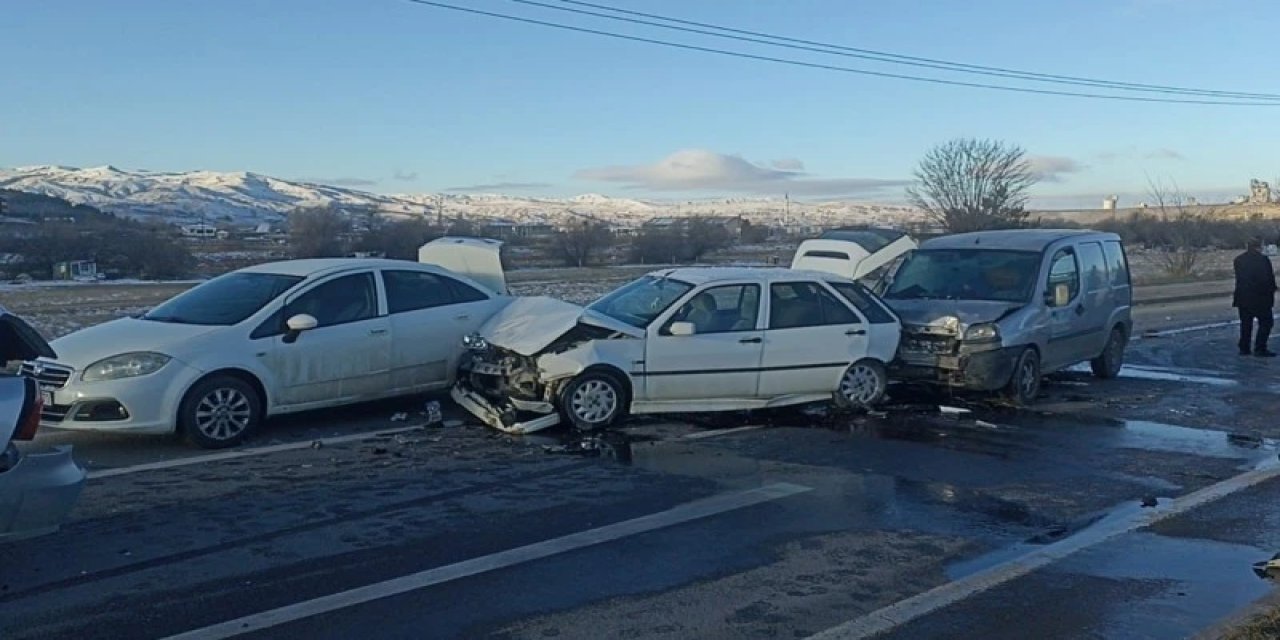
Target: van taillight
(29, 421)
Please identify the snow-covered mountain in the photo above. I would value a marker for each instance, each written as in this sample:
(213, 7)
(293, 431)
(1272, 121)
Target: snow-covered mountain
(243, 198)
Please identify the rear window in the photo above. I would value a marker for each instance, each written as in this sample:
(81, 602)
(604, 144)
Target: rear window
(872, 240)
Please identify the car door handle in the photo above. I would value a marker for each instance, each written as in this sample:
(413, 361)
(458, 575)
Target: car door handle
(755, 340)
(462, 317)
(856, 332)
(377, 332)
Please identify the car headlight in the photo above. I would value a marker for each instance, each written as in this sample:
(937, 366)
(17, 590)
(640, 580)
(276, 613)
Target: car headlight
(982, 332)
(475, 342)
(125, 365)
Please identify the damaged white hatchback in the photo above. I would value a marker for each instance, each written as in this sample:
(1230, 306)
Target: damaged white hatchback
(680, 340)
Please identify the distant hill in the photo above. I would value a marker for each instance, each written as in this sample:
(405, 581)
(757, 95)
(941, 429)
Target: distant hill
(243, 198)
(21, 205)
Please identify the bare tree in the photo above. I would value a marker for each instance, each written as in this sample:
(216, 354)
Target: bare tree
(318, 233)
(1183, 227)
(579, 244)
(704, 235)
(970, 185)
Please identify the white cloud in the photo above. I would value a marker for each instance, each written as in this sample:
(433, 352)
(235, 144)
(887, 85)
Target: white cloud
(497, 187)
(1053, 168)
(788, 164)
(406, 176)
(342, 181)
(703, 170)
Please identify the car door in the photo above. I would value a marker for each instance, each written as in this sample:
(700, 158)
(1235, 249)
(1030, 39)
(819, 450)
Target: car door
(720, 360)
(430, 313)
(1097, 298)
(345, 358)
(1066, 315)
(813, 336)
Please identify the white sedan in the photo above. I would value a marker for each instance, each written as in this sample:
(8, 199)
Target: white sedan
(680, 340)
(214, 361)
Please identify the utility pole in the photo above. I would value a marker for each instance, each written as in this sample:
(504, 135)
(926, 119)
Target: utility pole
(440, 210)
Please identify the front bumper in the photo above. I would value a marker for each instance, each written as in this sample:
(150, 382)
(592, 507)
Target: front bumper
(506, 420)
(38, 492)
(150, 402)
(978, 371)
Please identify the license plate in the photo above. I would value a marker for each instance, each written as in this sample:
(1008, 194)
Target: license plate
(47, 397)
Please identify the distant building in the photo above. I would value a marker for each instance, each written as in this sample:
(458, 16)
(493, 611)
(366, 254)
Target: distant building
(732, 224)
(1109, 203)
(511, 230)
(1259, 192)
(199, 231)
(79, 270)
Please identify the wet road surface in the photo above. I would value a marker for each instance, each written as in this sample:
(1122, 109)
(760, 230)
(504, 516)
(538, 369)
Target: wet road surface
(780, 524)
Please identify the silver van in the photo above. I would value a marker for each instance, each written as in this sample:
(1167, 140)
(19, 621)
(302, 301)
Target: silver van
(996, 310)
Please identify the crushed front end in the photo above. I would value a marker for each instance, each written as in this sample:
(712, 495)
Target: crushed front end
(941, 354)
(517, 393)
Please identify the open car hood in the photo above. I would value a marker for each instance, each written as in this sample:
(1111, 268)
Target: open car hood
(19, 341)
(849, 259)
(477, 258)
(528, 325)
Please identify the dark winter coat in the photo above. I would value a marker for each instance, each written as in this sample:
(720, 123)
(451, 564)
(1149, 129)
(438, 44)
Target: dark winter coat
(1255, 282)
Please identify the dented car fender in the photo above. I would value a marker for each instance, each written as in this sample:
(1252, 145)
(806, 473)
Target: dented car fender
(623, 354)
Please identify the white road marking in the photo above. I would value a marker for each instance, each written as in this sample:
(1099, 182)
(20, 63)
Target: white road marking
(720, 432)
(677, 515)
(904, 611)
(240, 453)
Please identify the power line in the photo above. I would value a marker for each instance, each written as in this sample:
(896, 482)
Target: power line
(895, 58)
(828, 67)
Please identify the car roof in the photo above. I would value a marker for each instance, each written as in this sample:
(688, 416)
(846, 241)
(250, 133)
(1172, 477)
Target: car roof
(1012, 239)
(701, 275)
(314, 266)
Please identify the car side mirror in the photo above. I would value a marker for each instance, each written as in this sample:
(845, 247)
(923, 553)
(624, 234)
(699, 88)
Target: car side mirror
(295, 325)
(683, 329)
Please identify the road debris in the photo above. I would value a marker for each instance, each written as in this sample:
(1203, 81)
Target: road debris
(433, 412)
(399, 416)
(1149, 501)
(317, 444)
(985, 425)
(952, 411)
(1251, 440)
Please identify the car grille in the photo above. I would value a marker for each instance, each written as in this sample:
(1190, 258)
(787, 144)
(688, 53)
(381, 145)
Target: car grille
(931, 345)
(55, 413)
(49, 375)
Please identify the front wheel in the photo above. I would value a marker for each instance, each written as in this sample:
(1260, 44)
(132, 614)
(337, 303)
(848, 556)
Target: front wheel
(593, 400)
(1108, 364)
(1024, 384)
(863, 384)
(219, 412)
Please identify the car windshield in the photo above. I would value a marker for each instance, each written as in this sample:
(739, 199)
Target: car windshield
(639, 302)
(225, 300)
(966, 274)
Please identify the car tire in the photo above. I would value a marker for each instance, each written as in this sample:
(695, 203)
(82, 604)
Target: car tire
(1024, 382)
(594, 400)
(1108, 364)
(862, 385)
(219, 412)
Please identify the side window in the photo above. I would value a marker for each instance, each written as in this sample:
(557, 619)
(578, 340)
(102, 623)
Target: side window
(721, 309)
(805, 304)
(1094, 266)
(1064, 271)
(347, 299)
(1119, 267)
(413, 290)
(465, 292)
(862, 300)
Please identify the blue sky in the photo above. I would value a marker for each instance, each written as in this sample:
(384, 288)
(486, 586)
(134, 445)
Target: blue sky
(390, 96)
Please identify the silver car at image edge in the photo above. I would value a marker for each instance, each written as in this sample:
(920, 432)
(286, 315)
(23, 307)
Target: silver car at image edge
(37, 489)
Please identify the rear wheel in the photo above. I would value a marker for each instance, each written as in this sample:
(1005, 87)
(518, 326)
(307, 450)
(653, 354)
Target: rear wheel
(1024, 384)
(593, 400)
(219, 412)
(1108, 364)
(862, 385)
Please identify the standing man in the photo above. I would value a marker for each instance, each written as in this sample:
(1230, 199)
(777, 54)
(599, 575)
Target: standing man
(1255, 296)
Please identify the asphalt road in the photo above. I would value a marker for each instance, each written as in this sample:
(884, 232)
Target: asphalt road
(972, 521)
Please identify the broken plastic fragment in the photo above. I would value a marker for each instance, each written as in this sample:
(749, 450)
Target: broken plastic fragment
(433, 411)
(399, 416)
(952, 411)
(1269, 569)
(1149, 501)
(984, 424)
